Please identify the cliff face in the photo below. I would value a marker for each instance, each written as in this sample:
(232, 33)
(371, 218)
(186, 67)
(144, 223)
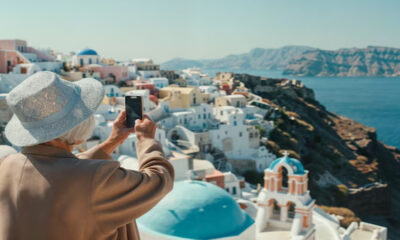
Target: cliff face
(370, 61)
(257, 58)
(332, 145)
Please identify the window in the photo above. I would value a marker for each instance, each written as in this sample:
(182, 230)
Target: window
(227, 189)
(251, 135)
(240, 134)
(234, 123)
(209, 115)
(234, 190)
(199, 116)
(204, 116)
(90, 61)
(222, 113)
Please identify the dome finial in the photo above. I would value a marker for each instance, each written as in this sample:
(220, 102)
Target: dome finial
(285, 154)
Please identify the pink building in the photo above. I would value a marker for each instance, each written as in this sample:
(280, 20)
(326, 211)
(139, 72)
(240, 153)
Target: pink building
(112, 74)
(140, 85)
(14, 52)
(9, 59)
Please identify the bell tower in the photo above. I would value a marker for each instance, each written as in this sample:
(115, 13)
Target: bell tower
(284, 204)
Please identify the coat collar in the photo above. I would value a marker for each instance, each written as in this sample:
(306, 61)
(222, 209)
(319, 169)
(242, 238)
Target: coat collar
(46, 150)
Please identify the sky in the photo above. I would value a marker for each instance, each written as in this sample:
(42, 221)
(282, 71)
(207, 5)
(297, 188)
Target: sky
(198, 29)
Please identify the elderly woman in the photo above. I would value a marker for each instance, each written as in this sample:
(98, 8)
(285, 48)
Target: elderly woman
(46, 192)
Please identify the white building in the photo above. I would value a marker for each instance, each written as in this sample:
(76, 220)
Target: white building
(85, 57)
(159, 82)
(145, 68)
(113, 91)
(237, 100)
(10, 81)
(197, 118)
(213, 91)
(238, 140)
(194, 77)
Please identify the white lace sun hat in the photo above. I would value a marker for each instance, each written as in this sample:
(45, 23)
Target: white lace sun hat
(45, 107)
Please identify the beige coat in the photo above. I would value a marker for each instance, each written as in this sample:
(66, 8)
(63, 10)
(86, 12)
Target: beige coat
(48, 193)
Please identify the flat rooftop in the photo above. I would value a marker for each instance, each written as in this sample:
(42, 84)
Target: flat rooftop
(360, 235)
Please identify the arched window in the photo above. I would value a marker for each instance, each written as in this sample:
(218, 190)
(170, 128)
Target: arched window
(90, 61)
(291, 210)
(284, 177)
(276, 210)
(81, 62)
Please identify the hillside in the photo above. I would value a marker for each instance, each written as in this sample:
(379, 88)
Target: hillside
(352, 62)
(348, 166)
(258, 58)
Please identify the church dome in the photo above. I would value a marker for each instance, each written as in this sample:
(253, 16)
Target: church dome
(295, 164)
(86, 51)
(196, 210)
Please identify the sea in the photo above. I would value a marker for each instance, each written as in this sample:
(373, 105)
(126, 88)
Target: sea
(372, 101)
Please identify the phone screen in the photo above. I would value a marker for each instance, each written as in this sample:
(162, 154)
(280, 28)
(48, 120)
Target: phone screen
(134, 109)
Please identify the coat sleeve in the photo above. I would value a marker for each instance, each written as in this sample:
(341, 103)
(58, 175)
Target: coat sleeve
(120, 195)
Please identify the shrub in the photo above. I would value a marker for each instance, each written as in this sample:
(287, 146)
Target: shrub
(261, 130)
(254, 177)
(347, 214)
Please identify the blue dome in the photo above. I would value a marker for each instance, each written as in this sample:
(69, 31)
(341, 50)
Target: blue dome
(296, 165)
(196, 210)
(86, 51)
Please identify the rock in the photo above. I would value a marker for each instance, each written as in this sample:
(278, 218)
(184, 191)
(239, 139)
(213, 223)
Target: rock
(370, 61)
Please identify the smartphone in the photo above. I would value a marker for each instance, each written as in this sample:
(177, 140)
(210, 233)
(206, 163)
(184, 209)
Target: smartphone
(134, 109)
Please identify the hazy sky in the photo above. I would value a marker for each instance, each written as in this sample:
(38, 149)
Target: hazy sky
(164, 29)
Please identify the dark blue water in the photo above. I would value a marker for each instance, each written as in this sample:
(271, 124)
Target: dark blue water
(372, 101)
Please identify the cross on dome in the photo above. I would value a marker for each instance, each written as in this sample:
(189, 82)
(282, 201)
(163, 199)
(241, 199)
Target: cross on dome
(285, 154)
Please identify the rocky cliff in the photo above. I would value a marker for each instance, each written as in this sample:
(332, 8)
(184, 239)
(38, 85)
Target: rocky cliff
(343, 153)
(370, 61)
(257, 58)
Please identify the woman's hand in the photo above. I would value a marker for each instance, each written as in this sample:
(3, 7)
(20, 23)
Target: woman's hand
(145, 128)
(118, 134)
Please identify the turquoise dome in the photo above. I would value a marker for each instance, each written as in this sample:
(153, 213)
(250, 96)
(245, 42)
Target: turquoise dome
(86, 51)
(296, 165)
(196, 210)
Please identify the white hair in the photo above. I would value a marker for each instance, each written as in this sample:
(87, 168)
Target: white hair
(81, 132)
